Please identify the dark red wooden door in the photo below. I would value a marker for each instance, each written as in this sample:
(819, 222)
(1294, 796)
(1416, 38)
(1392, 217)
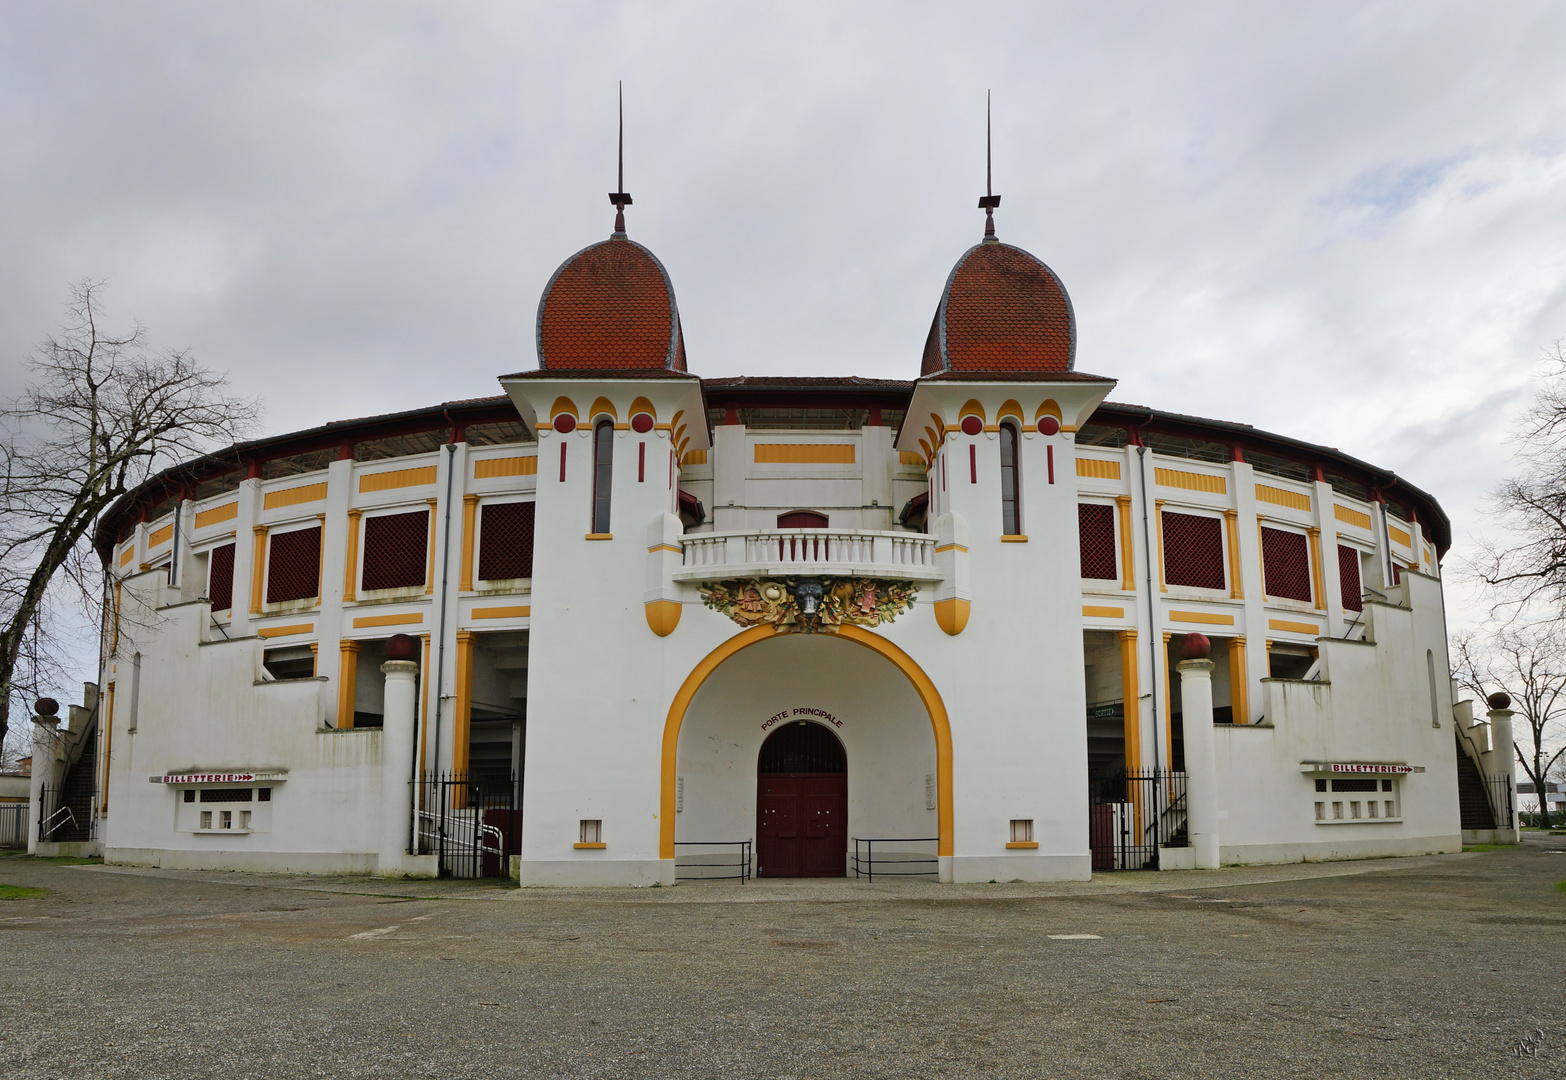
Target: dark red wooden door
(802, 813)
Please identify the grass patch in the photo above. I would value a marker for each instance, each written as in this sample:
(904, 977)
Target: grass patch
(29, 892)
(1561, 885)
(1488, 847)
(58, 860)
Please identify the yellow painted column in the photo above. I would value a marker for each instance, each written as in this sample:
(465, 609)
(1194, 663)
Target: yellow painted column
(1131, 700)
(351, 574)
(429, 575)
(1239, 681)
(1158, 513)
(315, 658)
(1231, 523)
(347, 682)
(462, 721)
(257, 569)
(108, 748)
(1127, 559)
(1317, 582)
(469, 517)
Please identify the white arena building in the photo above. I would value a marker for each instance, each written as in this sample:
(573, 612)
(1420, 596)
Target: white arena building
(621, 625)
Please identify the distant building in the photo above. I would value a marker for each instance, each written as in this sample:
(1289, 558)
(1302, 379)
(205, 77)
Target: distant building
(856, 624)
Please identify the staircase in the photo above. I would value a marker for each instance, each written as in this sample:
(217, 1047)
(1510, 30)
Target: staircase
(1473, 803)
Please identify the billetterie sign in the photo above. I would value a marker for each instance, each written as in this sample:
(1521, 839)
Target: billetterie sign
(210, 778)
(1340, 766)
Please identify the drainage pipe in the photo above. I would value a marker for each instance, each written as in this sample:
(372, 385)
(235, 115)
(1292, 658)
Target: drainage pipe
(1154, 638)
(440, 640)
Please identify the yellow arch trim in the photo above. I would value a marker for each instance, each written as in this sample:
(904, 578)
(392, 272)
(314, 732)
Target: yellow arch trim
(928, 453)
(971, 408)
(1011, 407)
(602, 405)
(940, 422)
(1049, 407)
(563, 405)
(674, 421)
(642, 405)
(922, 684)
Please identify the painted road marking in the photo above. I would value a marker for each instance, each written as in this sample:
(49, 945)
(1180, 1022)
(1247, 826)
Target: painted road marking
(1075, 937)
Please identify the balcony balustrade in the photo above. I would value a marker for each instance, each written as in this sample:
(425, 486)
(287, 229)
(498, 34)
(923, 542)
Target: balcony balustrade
(808, 553)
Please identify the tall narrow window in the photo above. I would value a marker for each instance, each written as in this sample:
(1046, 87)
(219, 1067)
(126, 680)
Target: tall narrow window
(1348, 578)
(1011, 518)
(603, 473)
(293, 571)
(220, 578)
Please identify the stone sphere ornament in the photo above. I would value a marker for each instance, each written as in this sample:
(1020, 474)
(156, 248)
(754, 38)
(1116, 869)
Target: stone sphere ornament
(1499, 700)
(402, 647)
(1195, 647)
(46, 706)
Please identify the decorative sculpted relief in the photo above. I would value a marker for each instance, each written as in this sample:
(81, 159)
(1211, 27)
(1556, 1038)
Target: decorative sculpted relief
(809, 605)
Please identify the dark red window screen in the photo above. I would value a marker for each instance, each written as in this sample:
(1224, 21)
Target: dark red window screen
(1193, 551)
(802, 519)
(1285, 564)
(1348, 578)
(396, 549)
(293, 571)
(1096, 524)
(505, 541)
(220, 578)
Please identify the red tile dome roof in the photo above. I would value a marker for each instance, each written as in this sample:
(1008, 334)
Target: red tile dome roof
(610, 307)
(1002, 310)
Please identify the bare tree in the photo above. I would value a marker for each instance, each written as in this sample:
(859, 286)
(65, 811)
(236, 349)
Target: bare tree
(103, 413)
(1527, 662)
(1527, 570)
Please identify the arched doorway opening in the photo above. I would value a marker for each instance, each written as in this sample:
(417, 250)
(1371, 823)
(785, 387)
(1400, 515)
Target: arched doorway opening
(801, 803)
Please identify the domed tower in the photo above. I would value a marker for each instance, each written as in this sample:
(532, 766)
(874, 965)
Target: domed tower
(610, 307)
(1002, 310)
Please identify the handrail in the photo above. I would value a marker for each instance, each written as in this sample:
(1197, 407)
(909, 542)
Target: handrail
(865, 864)
(47, 826)
(743, 865)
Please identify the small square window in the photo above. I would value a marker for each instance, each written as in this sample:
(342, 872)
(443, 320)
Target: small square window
(206, 819)
(244, 819)
(226, 819)
(1373, 807)
(1321, 785)
(592, 831)
(1390, 811)
(1354, 808)
(1386, 785)
(190, 794)
(264, 794)
(1337, 811)
(1021, 830)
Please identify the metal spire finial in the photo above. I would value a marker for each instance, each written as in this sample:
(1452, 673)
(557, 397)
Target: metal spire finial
(989, 201)
(619, 198)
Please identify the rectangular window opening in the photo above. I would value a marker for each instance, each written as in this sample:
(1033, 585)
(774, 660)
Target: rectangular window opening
(592, 831)
(396, 549)
(291, 662)
(1021, 830)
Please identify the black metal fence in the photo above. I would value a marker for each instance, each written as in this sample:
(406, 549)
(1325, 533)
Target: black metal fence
(897, 857)
(1502, 794)
(1132, 815)
(712, 861)
(15, 818)
(473, 825)
(65, 814)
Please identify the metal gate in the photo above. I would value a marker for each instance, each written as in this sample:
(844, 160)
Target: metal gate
(473, 825)
(1132, 815)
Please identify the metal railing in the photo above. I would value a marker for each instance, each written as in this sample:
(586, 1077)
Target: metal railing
(1132, 815)
(472, 826)
(14, 821)
(828, 552)
(894, 862)
(1502, 793)
(741, 864)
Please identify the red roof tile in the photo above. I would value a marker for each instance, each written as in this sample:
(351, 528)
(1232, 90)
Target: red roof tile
(1002, 311)
(611, 307)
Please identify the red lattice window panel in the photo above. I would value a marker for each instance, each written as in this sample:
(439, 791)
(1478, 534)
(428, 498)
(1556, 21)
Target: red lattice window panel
(396, 549)
(1096, 526)
(1193, 551)
(293, 570)
(505, 541)
(1348, 578)
(1285, 564)
(220, 578)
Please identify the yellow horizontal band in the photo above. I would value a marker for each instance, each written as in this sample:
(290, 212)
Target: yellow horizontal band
(1201, 617)
(501, 612)
(599, 536)
(1096, 612)
(1016, 538)
(403, 619)
(286, 631)
(589, 847)
(1293, 627)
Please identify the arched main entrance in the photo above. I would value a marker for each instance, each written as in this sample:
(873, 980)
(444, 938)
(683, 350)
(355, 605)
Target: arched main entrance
(801, 803)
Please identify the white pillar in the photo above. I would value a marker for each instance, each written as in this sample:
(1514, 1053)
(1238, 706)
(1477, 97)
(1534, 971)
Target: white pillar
(1503, 757)
(1201, 764)
(397, 737)
(46, 740)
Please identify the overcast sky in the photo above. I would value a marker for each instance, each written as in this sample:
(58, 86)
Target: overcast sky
(1342, 222)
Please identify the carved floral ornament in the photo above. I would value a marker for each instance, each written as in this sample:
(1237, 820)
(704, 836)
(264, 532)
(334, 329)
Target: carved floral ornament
(809, 605)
